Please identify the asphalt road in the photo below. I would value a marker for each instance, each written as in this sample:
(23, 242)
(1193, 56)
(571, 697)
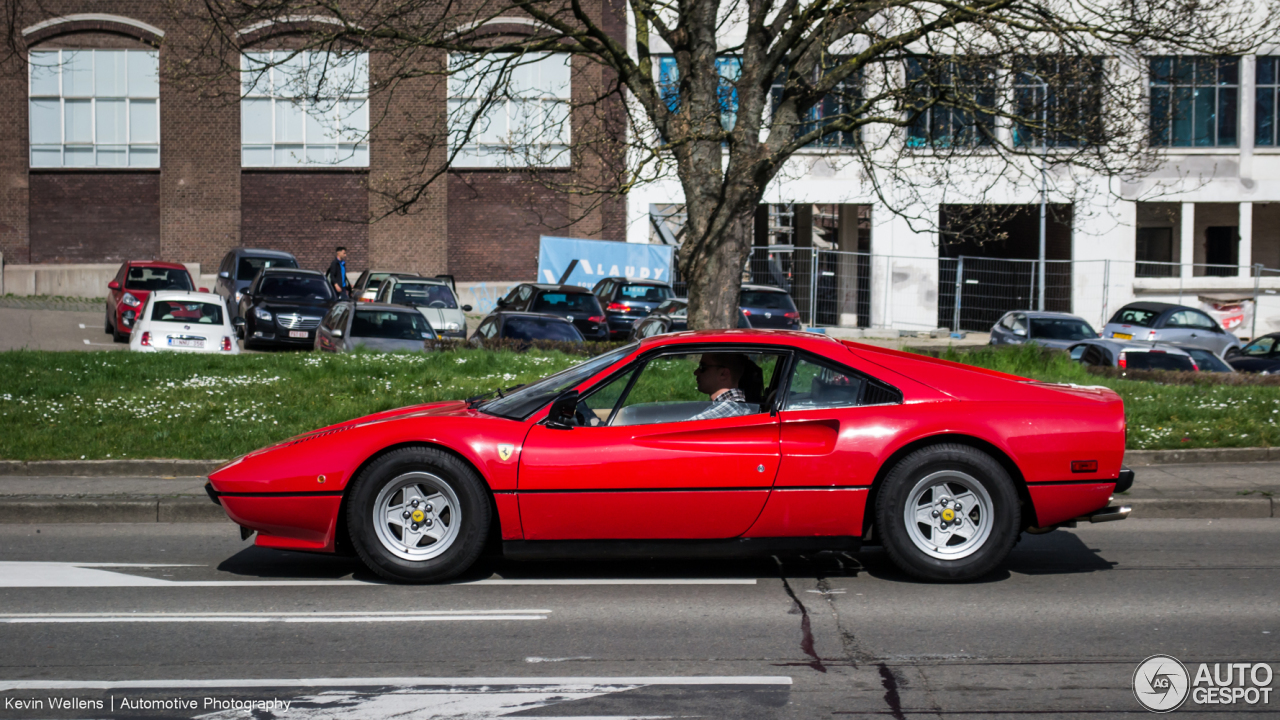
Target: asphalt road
(128, 615)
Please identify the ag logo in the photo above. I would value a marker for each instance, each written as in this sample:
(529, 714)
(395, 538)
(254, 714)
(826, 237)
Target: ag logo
(504, 452)
(1161, 683)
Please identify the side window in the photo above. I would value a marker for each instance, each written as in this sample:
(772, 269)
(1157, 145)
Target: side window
(328, 322)
(487, 329)
(1180, 319)
(677, 388)
(524, 294)
(1202, 321)
(820, 384)
(1020, 323)
(1006, 322)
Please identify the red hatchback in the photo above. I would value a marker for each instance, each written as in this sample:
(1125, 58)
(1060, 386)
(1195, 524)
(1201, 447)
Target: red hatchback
(134, 282)
(718, 443)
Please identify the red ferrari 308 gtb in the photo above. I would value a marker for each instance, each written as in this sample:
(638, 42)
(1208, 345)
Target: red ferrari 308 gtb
(823, 445)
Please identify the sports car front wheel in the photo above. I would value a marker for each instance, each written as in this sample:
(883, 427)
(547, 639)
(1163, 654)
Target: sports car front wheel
(418, 515)
(948, 513)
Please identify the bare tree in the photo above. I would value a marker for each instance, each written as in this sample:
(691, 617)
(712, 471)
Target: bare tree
(924, 96)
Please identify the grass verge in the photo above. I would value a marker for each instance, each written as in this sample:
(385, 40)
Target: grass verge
(110, 405)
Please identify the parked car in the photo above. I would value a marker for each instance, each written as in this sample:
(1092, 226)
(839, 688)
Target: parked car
(184, 321)
(625, 301)
(433, 298)
(768, 307)
(1050, 329)
(576, 304)
(606, 447)
(1133, 355)
(283, 307)
(1206, 361)
(240, 266)
(1174, 324)
(134, 281)
(367, 285)
(375, 326)
(1260, 356)
(524, 327)
(671, 316)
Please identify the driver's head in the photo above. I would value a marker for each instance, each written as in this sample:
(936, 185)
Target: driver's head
(719, 371)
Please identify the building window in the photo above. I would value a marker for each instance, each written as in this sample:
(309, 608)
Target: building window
(1268, 93)
(1059, 97)
(960, 88)
(95, 108)
(1193, 101)
(839, 102)
(728, 70)
(304, 109)
(509, 110)
(1155, 252)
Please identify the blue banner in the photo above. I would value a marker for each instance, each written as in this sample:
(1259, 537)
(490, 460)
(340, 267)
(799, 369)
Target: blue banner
(599, 259)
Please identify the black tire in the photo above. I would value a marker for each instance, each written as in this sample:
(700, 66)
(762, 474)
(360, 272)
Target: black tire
(474, 506)
(106, 323)
(964, 464)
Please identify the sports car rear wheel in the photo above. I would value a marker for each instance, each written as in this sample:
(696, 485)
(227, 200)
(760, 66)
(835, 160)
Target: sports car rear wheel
(418, 515)
(948, 513)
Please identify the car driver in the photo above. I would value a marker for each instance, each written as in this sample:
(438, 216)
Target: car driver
(718, 375)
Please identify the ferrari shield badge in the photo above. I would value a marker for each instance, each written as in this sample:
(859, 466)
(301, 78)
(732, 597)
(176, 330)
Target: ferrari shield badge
(504, 452)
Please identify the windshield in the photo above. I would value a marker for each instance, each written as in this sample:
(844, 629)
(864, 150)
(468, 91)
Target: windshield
(528, 399)
(151, 279)
(187, 312)
(249, 266)
(390, 325)
(766, 300)
(528, 328)
(1134, 316)
(567, 302)
(644, 293)
(1061, 329)
(424, 294)
(295, 287)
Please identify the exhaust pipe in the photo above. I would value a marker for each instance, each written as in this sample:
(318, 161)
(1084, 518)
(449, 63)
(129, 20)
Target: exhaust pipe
(1107, 514)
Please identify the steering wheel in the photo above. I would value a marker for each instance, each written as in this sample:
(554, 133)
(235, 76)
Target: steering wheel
(438, 304)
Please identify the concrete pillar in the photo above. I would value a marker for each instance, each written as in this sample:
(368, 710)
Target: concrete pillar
(1188, 240)
(1245, 232)
(847, 274)
(1248, 103)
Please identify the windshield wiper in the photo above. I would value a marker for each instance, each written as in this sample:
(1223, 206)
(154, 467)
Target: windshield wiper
(477, 399)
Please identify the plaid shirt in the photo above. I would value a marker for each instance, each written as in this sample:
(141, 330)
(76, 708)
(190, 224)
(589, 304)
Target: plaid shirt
(731, 403)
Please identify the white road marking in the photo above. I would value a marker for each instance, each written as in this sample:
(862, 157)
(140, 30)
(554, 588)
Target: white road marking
(563, 659)
(340, 682)
(86, 342)
(93, 575)
(319, 617)
(82, 327)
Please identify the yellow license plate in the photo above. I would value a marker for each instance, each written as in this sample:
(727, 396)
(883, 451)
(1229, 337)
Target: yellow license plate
(1122, 336)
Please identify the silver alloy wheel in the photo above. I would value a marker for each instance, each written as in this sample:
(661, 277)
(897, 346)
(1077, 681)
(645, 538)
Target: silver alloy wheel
(417, 516)
(948, 515)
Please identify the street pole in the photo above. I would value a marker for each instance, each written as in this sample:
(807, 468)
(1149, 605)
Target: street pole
(1044, 189)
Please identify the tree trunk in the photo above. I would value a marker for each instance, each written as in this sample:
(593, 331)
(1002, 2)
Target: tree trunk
(713, 270)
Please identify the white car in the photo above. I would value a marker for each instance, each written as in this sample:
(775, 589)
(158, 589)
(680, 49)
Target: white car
(184, 321)
(433, 298)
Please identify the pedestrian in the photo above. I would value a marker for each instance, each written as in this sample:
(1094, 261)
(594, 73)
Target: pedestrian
(337, 274)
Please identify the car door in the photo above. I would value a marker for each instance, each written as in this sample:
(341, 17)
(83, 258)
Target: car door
(1182, 327)
(638, 465)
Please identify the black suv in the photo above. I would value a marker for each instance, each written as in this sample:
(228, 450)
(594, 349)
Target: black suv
(625, 301)
(240, 266)
(283, 307)
(575, 304)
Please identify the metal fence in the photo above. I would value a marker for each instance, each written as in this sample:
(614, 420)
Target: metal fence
(834, 288)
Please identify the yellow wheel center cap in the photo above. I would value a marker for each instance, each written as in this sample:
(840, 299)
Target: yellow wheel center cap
(418, 515)
(948, 514)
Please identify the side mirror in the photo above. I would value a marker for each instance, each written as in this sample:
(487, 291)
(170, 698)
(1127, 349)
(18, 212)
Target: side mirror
(204, 289)
(466, 308)
(335, 332)
(224, 275)
(1020, 332)
(563, 410)
(113, 285)
(238, 324)
(502, 302)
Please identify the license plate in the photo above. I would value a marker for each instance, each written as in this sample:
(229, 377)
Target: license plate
(298, 333)
(186, 342)
(1122, 336)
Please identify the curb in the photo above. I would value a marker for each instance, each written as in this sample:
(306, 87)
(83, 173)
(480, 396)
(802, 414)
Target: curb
(1215, 508)
(109, 468)
(107, 510)
(1142, 458)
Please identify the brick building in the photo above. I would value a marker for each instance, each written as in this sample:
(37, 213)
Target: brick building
(110, 155)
